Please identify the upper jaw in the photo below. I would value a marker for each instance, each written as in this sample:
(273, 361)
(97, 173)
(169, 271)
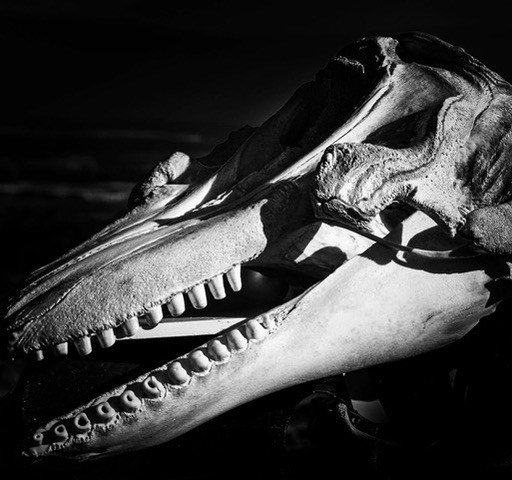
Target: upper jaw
(145, 272)
(232, 216)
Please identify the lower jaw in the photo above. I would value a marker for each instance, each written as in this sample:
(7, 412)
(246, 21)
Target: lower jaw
(372, 310)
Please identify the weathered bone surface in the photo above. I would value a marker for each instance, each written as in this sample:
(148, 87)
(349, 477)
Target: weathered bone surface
(388, 127)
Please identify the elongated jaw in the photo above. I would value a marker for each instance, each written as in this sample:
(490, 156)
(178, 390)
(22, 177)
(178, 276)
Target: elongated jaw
(416, 305)
(403, 137)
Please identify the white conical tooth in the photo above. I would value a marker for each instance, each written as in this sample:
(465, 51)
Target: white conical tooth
(218, 351)
(105, 412)
(199, 362)
(216, 286)
(38, 438)
(177, 374)
(106, 338)
(129, 401)
(236, 340)
(254, 330)
(60, 349)
(152, 387)
(38, 355)
(60, 432)
(83, 345)
(154, 316)
(131, 326)
(197, 297)
(82, 423)
(234, 277)
(176, 305)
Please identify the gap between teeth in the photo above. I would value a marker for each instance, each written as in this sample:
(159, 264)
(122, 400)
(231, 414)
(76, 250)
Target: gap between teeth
(175, 305)
(126, 401)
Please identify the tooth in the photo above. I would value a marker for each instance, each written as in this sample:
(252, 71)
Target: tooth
(176, 305)
(129, 401)
(82, 423)
(199, 361)
(236, 340)
(154, 316)
(218, 351)
(268, 322)
(197, 297)
(105, 412)
(38, 355)
(106, 338)
(216, 286)
(152, 387)
(60, 432)
(38, 438)
(83, 345)
(60, 349)
(177, 374)
(234, 277)
(131, 326)
(254, 330)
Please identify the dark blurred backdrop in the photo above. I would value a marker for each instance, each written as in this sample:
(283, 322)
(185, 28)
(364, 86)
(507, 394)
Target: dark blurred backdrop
(96, 92)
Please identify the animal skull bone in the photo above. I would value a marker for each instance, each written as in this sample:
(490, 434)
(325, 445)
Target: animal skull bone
(389, 127)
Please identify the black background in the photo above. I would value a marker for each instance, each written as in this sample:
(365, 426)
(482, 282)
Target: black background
(191, 66)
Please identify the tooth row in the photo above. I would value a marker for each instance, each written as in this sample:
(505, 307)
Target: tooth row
(218, 350)
(197, 294)
(176, 374)
(176, 307)
(102, 413)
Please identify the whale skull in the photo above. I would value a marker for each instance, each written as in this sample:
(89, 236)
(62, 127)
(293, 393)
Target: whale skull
(382, 186)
